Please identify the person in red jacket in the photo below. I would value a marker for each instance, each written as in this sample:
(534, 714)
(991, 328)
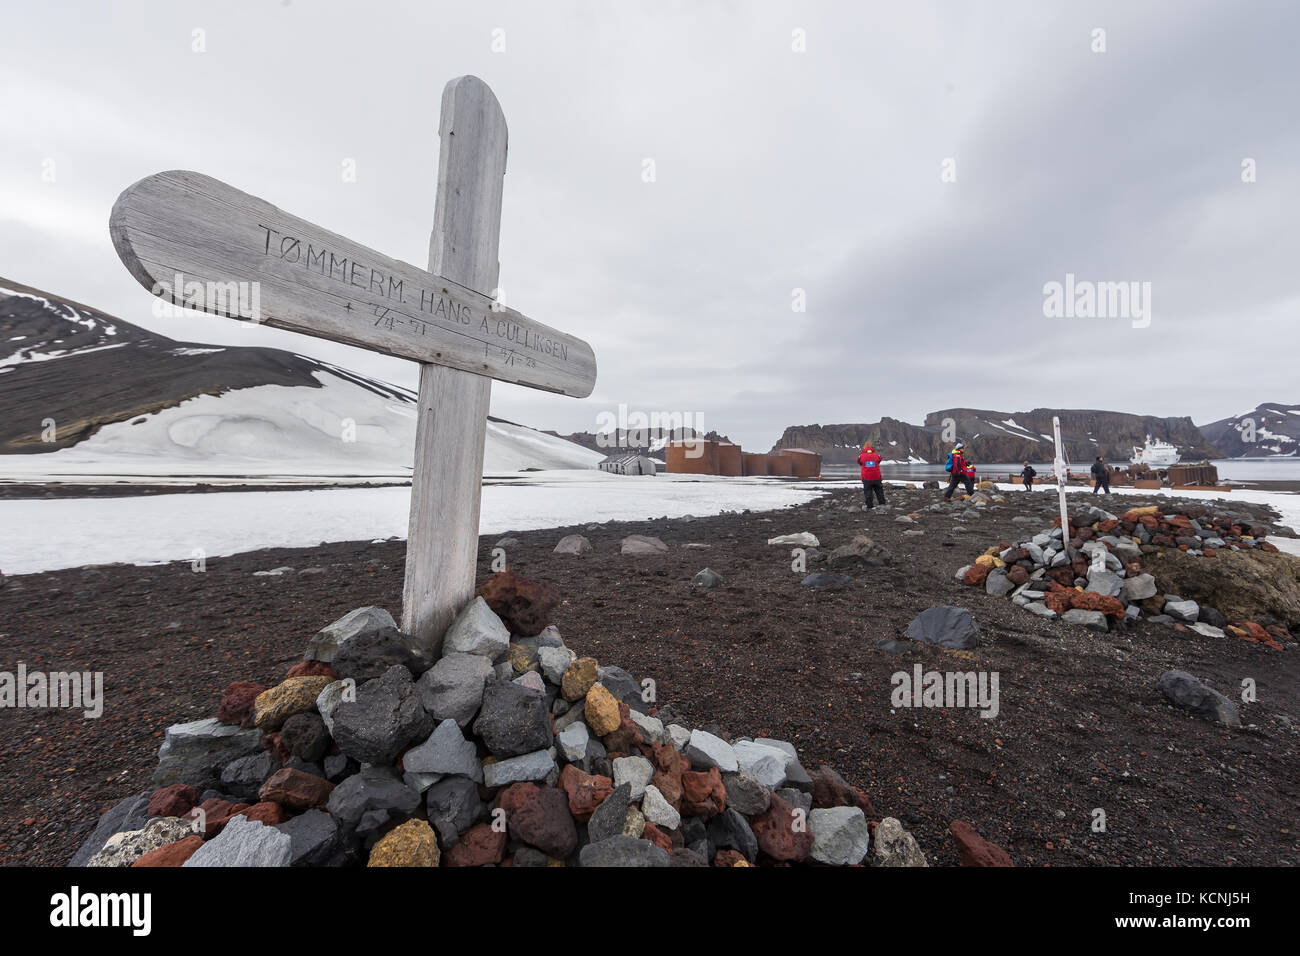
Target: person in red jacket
(872, 485)
(959, 472)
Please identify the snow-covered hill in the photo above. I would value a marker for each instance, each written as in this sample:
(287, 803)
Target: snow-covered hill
(128, 402)
(1271, 431)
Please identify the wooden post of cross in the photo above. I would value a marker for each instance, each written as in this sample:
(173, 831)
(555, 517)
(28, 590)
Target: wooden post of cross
(446, 483)
(204, 245)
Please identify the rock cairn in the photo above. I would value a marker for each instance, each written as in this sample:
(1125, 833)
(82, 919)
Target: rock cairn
(1105, 576)
(508, 749)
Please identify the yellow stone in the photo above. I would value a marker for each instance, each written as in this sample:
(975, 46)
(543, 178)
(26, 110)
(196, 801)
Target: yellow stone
(293, 696)
(601, 710)
(411, 844)
(634, 823)
(578, 678)
(522, 658)
(986, 561)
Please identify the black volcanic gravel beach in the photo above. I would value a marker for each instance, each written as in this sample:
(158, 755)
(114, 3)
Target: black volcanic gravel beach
(1081, 727)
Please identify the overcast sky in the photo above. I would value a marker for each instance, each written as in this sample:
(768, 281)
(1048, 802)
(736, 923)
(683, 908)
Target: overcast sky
(775, 170)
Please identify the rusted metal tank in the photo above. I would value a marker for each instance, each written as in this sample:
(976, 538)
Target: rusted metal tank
(692, 457)
(729, 460)
(780, 465)
(753, 464)
(803, 463)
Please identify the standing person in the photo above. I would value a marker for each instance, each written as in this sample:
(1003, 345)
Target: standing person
(872, 485)
(959, 472)
(1101, 477)
(1027, 476)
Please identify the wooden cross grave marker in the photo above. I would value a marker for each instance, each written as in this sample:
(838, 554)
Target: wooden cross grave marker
(200, 243)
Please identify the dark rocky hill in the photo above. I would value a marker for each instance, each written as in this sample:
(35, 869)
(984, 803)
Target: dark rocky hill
(1271, 430)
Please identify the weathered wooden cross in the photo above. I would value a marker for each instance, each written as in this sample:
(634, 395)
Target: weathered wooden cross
(199, 243)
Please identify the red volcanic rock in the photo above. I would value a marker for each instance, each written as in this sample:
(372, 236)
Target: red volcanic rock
(832, 790)
(479, 846)
(975, 575)
(1017, 575)
(539, 816)
(1060, 601)
(729, 858)
(216, 813)
(975, 850)
(266, 812)
(312, 669)
(657, 837)
(296, 790)
(1092, 601)
(777, 835)
(626, 737)
(702, 793)
(174, 801)
(173, 854)
(525, 605)
(669, 764)
(585, 791)
(237, 703)
(1062, 576)
(275, 746)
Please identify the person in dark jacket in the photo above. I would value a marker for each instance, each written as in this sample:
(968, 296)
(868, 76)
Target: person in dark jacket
(1027, 476)
(1100, 477)
(872, 485)
(960, 472)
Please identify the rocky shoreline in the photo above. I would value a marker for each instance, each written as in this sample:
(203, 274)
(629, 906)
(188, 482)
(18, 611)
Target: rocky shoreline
(1083, 724)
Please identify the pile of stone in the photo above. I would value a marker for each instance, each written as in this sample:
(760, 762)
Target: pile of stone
(1101, 577)
(500, 747)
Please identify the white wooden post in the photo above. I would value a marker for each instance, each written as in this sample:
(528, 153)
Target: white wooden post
(1059, 465)
(446, 483)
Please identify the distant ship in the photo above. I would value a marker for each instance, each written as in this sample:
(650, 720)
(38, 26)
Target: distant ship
(1155, 453)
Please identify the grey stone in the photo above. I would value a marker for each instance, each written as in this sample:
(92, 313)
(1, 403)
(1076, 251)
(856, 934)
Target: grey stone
(652, 728)
(316, 840)
(707, 579)
(244, 842)
(839, 834)
(796, 799)
(622, 851)
(621, 684)
(573, 544)
(826, 580)
(1092, 620)
(705, 751)
(1186, 611)
(244, 776)
(607, 819)
(640, 544)
(679, 735)
(1185, 691)
(572, 742)
(1207, 630)
(636, 771)
(533, 766)
(554, 661)
(132, 813)
(531, 680)
(1139, 587)
(763, 762)
(369, 655)
(194, 752)
(573, 715)
(944, 626)
(368, 799)
(454, 806)
(124, 848)
(477, 630)
(997, 583)
(513, 720)
(1040, 609)
(386, 718)
(730, 831)
(328, 639)
(330, 697)
(1105, 582)
(658, 810)
(894, 846)
(446, 752)
(452, 689)
(747, 794)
